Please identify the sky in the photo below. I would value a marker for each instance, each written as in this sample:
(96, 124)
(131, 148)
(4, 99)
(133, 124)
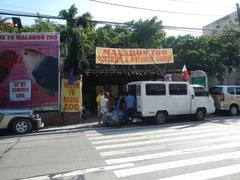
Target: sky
(180, 13)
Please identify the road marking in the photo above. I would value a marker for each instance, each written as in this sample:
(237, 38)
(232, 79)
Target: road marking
(176, 164)
(146, 132)
(207, 174)
(155, 147)
(172, 153)
(158, 141)
(154, 135)
(116, 131)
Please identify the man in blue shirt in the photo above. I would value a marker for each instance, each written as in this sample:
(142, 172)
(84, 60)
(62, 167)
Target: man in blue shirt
(129, 105)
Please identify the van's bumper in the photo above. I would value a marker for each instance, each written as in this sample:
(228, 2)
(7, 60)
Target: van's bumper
(37, 123)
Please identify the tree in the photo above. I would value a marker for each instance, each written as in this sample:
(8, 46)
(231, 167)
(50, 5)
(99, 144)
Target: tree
(77, 36)
(147, 34)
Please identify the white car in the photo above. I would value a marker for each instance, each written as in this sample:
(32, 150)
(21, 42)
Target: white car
(20, 121)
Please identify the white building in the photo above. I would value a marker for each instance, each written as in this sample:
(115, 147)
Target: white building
(229, 21)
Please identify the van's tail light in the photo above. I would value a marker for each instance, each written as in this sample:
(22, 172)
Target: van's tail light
(222, 97)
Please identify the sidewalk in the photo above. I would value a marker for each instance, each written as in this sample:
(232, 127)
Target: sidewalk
(90, 122)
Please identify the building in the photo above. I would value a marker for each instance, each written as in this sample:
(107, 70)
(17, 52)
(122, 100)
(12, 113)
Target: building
(229, 21)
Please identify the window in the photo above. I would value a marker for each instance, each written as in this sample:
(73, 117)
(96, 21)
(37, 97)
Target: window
(215, 90)
(155, 89)
(200, 91)
(132, 89)
(138, 90)
(237, 90)
(177, 89)
(231, 90)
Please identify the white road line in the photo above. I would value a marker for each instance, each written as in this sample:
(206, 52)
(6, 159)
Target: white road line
(158, 141)
(207, 174)
(150, 131)
(172, 153)
(38, 178)
(176, 164)
(156, 135)
(143, 128)
(155, 147)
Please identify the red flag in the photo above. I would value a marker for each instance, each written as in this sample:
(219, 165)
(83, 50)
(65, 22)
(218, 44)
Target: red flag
(185, 73)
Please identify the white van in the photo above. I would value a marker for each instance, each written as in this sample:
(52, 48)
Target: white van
(160, 99)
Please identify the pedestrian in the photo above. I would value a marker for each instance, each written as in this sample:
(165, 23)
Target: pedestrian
(105, 106)
(129, 106)
(98, 100)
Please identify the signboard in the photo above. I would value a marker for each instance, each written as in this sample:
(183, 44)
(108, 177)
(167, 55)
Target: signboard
(32, 59)
(71, 96)
(199, 81)
(20, 90)
(133, 56)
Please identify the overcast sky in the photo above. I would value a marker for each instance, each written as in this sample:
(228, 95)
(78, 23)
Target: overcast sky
(181, 13)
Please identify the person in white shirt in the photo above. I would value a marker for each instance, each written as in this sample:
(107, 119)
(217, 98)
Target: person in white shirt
(105, 104)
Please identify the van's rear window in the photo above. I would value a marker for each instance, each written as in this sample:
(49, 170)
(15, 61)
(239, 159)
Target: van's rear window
(215, 90)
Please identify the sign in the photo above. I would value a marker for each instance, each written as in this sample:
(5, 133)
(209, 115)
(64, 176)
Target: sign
(71, 96)
(199, 80)
(32, 59)
(20, 90)
(133, 56)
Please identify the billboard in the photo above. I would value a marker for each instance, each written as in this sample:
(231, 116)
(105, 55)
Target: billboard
(71, 96)
(29, 76)
(133, 56)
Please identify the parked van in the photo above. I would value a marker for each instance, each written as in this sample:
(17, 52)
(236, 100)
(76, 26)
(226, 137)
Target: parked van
(160, 99)
(226, 98)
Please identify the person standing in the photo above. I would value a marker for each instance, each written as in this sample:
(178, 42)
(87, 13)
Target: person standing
(129, 106)
(98, 100)
(105, 106)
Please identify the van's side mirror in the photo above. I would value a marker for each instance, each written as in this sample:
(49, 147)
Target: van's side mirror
(192, 96)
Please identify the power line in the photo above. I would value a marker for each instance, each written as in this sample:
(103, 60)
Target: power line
(199, 3)
(154, 10)
(43, 10)
(177, 28)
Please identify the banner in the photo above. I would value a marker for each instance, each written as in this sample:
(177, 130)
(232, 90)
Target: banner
(29, 76)
(133, 56)
(20, 90)
(71, 96)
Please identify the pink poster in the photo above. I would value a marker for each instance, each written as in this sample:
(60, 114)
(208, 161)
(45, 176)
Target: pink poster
(29, 76)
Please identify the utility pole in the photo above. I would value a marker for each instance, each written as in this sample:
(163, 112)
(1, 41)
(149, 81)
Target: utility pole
(238, 15)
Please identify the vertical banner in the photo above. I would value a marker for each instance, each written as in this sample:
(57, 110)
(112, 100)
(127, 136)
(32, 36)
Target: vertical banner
(71, 96)
(29, 71)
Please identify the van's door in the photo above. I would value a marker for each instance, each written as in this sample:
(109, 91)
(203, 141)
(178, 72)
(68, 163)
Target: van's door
(200, 98)
(179, 99)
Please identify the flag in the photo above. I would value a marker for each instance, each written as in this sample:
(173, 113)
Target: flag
(185, 73)
(71, 78)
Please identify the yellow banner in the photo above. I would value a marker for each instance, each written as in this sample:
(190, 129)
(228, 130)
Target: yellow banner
(133, 56)
(71, 96)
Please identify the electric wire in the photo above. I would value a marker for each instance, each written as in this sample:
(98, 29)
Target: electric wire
(154, 10)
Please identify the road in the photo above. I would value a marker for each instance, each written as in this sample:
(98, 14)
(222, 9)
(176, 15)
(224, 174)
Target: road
(176, 151)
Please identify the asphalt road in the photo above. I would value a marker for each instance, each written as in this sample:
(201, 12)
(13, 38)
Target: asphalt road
(182, 149)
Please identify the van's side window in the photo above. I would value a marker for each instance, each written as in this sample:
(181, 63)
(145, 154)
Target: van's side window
(138, 90)
(155, 89)
(237, 90)
(177, 89)
(199, 91)
(230, 90)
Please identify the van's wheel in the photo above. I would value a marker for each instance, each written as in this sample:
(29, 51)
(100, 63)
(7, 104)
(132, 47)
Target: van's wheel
(200, 114)
(161, 118)
(21, 126)
(233, 110)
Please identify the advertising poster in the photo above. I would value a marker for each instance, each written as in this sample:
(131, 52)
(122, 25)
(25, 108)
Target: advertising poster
(71, 96)
(133, 56)
(29, 76)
